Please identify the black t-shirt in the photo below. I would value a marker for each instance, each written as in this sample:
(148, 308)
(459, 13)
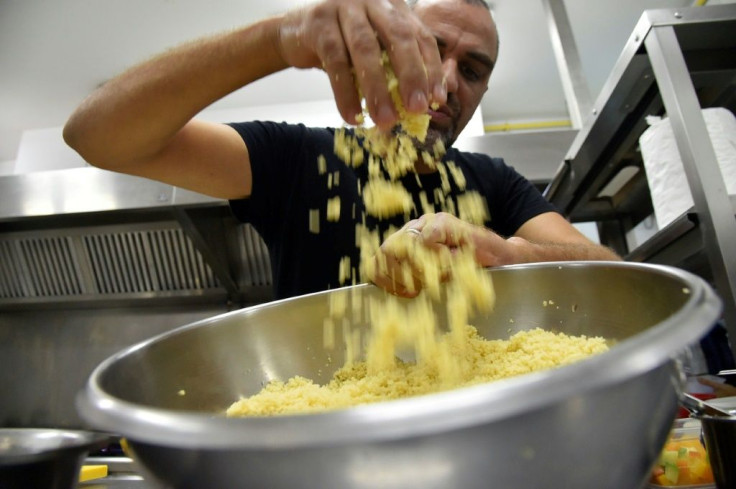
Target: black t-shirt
(288, 184)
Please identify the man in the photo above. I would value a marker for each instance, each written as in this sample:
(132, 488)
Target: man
(443, 53)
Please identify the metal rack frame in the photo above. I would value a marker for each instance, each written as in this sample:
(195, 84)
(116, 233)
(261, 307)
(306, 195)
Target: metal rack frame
(666, 65)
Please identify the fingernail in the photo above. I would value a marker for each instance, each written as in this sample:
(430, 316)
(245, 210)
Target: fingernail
(418, 101)
(385, 115)
(440, 92)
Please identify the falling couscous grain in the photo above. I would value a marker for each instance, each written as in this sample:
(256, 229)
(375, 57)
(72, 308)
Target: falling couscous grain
(454, 287)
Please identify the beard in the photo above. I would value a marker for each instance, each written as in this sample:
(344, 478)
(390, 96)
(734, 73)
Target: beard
(434, 134)
(446, 135)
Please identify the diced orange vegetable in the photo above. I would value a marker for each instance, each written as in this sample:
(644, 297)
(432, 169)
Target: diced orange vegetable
(682, 462)
(662, 480)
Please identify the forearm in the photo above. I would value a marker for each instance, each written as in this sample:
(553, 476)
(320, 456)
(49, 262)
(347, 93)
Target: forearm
(133, 116)
(519, 250)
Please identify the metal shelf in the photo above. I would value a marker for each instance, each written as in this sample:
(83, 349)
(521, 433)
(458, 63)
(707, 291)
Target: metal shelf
(679, 244)
(676, 62)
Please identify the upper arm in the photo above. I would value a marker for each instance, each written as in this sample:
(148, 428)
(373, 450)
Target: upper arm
(205, 157)
(551, 227)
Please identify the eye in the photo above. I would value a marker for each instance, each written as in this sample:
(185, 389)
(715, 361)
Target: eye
(470, 73)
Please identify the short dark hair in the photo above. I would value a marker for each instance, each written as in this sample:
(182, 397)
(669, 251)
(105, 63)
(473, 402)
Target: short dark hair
(481, 3)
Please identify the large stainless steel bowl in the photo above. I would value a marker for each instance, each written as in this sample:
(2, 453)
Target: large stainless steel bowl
(598, 423)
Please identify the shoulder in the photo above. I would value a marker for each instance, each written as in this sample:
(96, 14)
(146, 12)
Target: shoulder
(488, 171)
(280, 144)
(480, 162)
(269, 130)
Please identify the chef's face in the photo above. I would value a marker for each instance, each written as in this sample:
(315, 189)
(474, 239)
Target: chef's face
(468, 43)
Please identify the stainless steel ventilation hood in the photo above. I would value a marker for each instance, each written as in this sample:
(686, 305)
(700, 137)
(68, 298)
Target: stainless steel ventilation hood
(94, 238)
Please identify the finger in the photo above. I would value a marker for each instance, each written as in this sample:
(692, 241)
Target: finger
(414, 224)
(413, 239)
(398, 258)
(335, 59)
(405, 40)
(445, 230)
(365, 55)
(396, 278)
(436, 83)
(428, 264)
(346, 94)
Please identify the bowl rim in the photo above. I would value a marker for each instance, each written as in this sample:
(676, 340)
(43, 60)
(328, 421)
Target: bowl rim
(71, 442)
(415, 416)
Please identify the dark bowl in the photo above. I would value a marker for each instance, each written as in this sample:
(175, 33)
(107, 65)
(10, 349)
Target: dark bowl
(41, 458)
(720, 441)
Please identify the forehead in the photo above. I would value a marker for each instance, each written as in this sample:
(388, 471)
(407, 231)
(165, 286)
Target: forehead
(467, 26)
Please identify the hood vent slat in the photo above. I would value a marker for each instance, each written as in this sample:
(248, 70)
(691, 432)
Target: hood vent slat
(48, 263)
(151, 261)
(70, 262)
(255, 257)
(13, 281)
(133, 261)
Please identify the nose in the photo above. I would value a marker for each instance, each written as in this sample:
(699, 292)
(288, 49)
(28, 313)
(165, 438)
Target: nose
(449, 72)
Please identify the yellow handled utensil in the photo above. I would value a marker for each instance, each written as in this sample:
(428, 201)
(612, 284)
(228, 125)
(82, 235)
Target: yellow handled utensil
(90, 472)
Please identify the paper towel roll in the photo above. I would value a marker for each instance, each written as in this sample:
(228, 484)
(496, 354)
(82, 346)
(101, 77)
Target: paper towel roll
(670, 191)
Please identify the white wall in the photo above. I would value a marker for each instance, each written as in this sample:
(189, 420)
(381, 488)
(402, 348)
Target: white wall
(45, 149)
(7, 167)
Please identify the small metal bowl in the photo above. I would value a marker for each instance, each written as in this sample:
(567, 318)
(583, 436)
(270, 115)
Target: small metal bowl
(718, 420)
(720, 441)
(44, 458)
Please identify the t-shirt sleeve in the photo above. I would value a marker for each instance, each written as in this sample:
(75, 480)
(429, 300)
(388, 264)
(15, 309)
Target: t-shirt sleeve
(276, 160)
(288, 204)
(516, 199)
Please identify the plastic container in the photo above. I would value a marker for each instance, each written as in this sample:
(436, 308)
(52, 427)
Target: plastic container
(684, 461)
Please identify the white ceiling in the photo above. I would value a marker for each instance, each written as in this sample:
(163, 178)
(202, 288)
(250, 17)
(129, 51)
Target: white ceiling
(54, 52)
